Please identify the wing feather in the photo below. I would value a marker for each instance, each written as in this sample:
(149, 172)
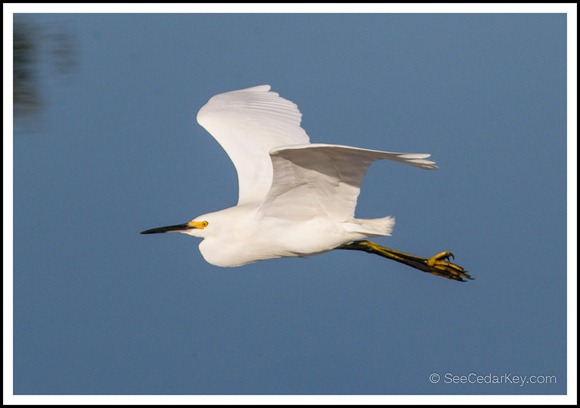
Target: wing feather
(248, 124)
(316, 179)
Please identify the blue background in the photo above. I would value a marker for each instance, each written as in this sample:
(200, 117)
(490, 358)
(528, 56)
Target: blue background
(110, 147)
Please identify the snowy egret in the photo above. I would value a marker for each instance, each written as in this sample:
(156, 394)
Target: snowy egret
(295, 198)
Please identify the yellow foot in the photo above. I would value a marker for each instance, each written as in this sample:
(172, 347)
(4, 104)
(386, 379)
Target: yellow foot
(440, 265)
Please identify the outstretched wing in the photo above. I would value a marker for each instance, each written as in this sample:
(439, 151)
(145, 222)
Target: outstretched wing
(316, 179)
(248, 124)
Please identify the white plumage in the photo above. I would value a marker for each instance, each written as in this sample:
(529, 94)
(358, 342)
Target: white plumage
(248, 124)
(295, 198)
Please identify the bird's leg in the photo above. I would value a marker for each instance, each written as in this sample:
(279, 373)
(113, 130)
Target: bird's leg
(439, 264)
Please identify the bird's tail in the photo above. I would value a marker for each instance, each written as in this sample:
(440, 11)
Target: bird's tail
(374, 226)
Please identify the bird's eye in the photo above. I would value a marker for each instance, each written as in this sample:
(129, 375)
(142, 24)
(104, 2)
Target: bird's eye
(205, 223)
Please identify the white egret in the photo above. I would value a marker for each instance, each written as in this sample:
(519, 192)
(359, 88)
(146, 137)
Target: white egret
(295, 198)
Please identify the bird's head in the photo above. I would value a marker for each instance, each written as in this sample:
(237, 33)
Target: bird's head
(194, 228)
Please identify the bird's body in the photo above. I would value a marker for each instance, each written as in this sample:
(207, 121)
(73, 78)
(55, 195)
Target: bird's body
(295, 198)
(244, 234)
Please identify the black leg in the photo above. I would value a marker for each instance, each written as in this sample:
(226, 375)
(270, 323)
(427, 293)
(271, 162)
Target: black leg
(437, 265)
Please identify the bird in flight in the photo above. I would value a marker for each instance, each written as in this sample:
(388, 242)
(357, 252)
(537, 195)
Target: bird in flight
(296, 198)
